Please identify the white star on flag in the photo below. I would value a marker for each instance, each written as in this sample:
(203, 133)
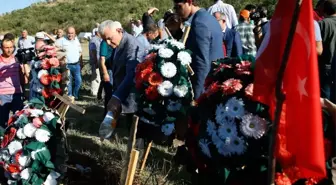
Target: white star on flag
(301, 87)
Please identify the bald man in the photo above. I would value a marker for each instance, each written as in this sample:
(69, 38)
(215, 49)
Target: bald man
(73, 52)
(26, 41)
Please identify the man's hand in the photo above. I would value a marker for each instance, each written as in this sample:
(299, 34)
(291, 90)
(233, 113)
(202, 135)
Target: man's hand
(106, 77)
(152, 10)
(114, 106)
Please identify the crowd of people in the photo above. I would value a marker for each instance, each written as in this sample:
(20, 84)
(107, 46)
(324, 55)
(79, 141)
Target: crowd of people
(216, 32)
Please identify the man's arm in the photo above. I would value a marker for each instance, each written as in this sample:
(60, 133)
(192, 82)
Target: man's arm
(134, 55)
(237, 44)
(234, 19)
(201, 64)
(50, 37)
(104, 69)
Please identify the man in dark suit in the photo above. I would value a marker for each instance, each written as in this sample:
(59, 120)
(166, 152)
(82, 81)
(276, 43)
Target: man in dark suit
(231, 38)
(203, 41)
(126, 55)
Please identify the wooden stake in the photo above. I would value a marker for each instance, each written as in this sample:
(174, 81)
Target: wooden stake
(168, 32)
(146, 156)
(66, 101)
(130, 146)
(184, 40)
(280, 97)
(132, 167)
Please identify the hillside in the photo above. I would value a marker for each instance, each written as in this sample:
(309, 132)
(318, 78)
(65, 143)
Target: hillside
(84, 13)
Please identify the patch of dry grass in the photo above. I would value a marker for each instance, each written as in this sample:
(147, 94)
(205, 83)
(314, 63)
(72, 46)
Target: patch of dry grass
(106, 158)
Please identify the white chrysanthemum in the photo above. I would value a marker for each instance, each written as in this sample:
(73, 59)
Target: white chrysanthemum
(174, 106)
(238, 145)
(24, 160)
(29, 130)
(253, 126)
(26, 173)
(14, 147)
(204, 145)
(51, 178)
(158, 46)
(184, 57)
(149, 111)
(15, 175)
(211, 128)
(165, 88)
(166, 53)
(168, 70)
(224, 149)
(167, 129)
(147, 121)
(177, 44)
(235, 107)
(48, 116)
(42, 135)
(180, 90)
(36, 113)
(41, 73)
(33, 153)
(227, 131)
(20, 134)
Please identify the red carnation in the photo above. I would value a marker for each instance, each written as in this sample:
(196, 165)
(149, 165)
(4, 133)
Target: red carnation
(45, 64)
(45, 79)
(282, 179)
(13, 168)
(243, 68)
(152, 93)
(54, 62)
(155, 79)
(11, 120)
(45, 93)
(17, 155)
(144, 65)
(144, 75)
(56, 78)
(12, 134)
(208, 81)
(249, 90)
(231, 86)
(212, 89)
(221, 67)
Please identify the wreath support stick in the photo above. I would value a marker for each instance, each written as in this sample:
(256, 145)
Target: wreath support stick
(69, 102)
(184, 40)
(280, 97)
(143, 164)
(130, 146)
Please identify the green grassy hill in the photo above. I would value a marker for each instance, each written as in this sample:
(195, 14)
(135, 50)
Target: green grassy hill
(83, 14)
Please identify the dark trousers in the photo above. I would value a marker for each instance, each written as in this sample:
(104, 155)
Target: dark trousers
(108, 88)
(15, 105)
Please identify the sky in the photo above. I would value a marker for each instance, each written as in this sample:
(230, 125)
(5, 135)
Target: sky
(10, 5)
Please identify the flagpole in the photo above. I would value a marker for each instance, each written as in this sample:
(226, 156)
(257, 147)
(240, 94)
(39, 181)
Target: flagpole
(280, 97)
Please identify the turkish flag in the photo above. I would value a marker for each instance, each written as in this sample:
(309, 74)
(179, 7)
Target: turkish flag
(299, 143)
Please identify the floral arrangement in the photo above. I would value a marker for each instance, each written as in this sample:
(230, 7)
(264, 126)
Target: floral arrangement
(230, 128)
(46, 73)
(162, 86)
(25, 145)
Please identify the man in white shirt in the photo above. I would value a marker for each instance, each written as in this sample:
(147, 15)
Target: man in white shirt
(73, 52)
(26, 41)
(226, 9)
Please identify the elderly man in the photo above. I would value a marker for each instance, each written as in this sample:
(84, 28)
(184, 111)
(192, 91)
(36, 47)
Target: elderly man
(73, 52)
(226, 9)
(26, 41)
(231, 39)
(125, 57)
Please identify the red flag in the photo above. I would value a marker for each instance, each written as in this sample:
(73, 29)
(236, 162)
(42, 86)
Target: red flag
(299, 144)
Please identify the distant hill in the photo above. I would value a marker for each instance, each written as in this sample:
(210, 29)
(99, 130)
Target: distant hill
(83, 14)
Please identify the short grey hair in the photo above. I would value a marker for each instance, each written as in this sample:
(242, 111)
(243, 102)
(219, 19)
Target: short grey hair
(222, 15)
(113, 25)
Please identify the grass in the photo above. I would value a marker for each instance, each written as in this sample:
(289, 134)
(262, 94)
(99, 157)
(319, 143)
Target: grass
(106, 158)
